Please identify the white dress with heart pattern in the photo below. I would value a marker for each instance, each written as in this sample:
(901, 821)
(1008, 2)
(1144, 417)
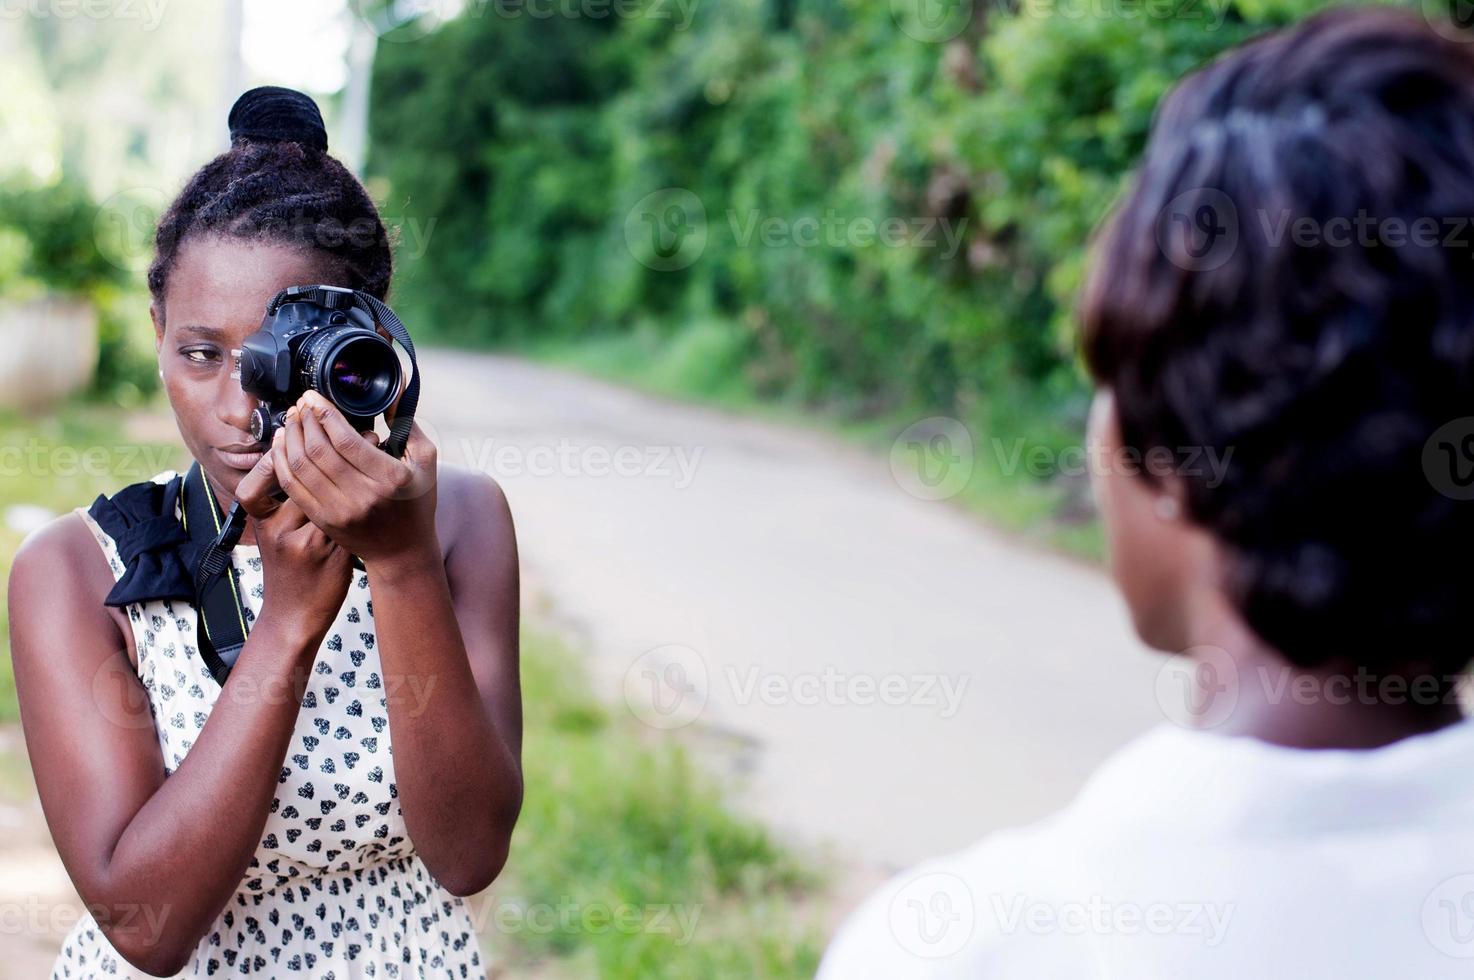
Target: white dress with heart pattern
(335, 890)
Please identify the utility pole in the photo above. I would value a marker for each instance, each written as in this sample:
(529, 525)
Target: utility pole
(232, 68)
(362, 43)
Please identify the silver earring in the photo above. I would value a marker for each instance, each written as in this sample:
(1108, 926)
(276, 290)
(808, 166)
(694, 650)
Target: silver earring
(1167, 508)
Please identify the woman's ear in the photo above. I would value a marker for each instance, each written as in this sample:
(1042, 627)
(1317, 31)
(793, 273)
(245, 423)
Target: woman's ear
(157, 316)
(1156, 555)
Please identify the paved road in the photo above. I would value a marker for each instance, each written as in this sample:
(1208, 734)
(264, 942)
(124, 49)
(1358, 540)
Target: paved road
(900, 678)
(883, 673)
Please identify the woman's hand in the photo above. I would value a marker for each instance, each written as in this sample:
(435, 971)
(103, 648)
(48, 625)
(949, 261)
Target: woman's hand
(307, 575)
(375, 506)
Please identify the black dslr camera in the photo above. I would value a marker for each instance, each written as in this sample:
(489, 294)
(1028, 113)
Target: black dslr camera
(313, 338)
(320, 338)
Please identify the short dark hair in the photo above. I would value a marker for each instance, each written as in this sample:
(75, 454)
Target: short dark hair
(280, 185)
(1324, 364)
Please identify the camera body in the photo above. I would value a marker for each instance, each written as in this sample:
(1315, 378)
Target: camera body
(318, 338)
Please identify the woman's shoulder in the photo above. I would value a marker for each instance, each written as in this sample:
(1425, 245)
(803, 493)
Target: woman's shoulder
(71, 536)
(60, 566)
(933, 919)
(470, 500)
(462, 481)
(65, 539)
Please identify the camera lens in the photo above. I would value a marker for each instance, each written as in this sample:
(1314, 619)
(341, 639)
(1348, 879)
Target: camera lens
(348, 380)
(359, 373)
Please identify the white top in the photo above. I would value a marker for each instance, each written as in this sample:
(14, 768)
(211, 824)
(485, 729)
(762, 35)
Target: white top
(1193, 854)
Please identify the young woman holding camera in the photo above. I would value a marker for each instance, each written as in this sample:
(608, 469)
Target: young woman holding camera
(327, 809)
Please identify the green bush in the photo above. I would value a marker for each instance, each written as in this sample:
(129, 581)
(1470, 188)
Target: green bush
(532, 143)
(57, 226)
(49, 243)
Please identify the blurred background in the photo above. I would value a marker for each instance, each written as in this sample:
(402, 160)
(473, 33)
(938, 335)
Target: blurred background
(761, 311)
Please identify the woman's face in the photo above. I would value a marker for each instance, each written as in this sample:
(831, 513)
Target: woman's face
(1161, 562)
(216, 296)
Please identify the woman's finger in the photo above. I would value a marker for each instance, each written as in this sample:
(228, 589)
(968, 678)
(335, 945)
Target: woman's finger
(419, 450)
(355, 447)
(286, 474)
(345, 478)
(287, 516)
(254, 490)
(320, 484)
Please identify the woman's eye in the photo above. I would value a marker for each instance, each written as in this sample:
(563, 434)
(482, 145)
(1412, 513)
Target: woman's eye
(200, 355)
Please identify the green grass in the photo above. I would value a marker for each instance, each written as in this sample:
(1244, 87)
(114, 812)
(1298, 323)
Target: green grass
(16, 782)
(60, 461)
(619, 820)
(704, 363)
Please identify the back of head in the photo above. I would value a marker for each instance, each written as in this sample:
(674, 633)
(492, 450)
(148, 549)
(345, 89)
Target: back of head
(1289, 281)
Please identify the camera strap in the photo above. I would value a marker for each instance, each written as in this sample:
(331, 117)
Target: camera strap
(222, 612)
(404, 413)
(217, 587)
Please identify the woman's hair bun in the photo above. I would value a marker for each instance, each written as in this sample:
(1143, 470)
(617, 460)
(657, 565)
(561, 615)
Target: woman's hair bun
(271, 114)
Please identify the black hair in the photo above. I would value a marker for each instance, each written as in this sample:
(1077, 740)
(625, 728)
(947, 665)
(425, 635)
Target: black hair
(278, 183)
(1323, 362)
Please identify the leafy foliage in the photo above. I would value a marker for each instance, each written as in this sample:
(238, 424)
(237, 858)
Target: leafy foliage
(51, 231)
(49, 243)
(801, 127)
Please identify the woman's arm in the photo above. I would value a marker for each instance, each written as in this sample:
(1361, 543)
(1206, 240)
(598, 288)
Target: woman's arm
(447, 629)
(154, 859)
